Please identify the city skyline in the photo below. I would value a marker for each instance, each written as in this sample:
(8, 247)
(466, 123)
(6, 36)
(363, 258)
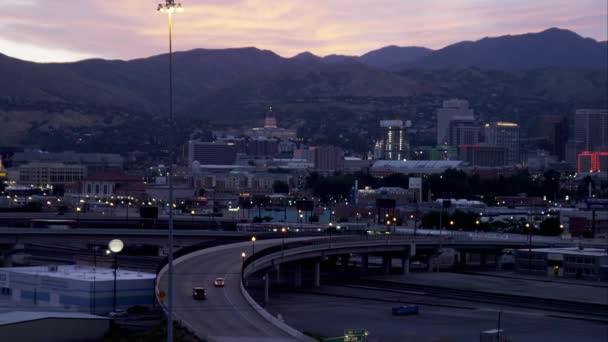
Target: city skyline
(44, 32)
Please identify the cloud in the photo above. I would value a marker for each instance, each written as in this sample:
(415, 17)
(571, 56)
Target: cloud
(64, 29)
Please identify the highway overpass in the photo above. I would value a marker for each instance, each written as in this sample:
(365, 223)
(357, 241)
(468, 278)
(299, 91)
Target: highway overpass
(230, 314)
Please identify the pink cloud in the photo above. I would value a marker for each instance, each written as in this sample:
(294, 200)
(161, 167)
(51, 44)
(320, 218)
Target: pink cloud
(131, 29)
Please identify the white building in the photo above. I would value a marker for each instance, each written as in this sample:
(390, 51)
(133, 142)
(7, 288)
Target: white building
(76, 287)
(453, 109)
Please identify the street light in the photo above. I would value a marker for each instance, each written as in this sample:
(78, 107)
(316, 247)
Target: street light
(283, 231)
(253, 245)
(169, 7)
(115, 246)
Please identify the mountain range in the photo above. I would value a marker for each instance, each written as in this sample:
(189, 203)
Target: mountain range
(210, 81)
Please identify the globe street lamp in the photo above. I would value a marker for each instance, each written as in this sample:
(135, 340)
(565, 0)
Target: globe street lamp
(253, 239)
(115, 246)
(170, 7)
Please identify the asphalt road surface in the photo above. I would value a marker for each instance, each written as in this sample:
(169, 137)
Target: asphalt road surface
(328, 316)
(225, 316)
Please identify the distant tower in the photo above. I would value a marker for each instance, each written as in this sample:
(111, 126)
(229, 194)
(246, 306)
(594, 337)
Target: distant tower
(270, 121)
(395, 142)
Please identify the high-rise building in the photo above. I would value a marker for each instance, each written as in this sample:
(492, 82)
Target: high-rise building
(328, 158)
(504, 134)
(395, 142)
(591, 129)
(592, 162)
(453, 109)
(463, 132)
(210, 153)
(483, 155)
(552, 131)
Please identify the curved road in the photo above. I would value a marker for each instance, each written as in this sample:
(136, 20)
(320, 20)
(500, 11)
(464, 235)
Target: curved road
(225, 316)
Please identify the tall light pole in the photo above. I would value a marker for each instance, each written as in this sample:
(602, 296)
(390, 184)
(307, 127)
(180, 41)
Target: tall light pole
(253, 245)
(115, 247)
(170, 7)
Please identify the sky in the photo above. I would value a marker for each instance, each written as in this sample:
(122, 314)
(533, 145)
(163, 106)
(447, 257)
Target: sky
(69, 30)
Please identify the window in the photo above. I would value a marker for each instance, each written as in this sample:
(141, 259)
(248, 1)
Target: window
(105, 189)
(88, 188)
(96, 189)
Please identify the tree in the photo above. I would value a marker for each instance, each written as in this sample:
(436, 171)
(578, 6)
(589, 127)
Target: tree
(280, 187)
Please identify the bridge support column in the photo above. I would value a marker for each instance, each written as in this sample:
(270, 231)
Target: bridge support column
(266, 288)
(7, 259)
(498, 260)
(429, 264)
(297, 277)
(483, 258)
(278, 275)
(463, 258)
(344, 260)
(405, 264)
(386, 264)
(364, 263)
(317, 274)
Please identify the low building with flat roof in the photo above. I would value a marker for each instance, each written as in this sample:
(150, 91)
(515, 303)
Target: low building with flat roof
(77, 288)
(17, 326)
(568, 262)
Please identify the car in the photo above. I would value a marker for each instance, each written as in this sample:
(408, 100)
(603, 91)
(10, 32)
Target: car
(219, 282)
(199, 293)
(405, 310)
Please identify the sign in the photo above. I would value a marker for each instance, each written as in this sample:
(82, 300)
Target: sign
(334, 339)
(355, 335)
(2, 174)
(415, 183)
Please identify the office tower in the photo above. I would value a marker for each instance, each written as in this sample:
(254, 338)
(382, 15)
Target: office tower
(592, 162)
(328, 158)
(591, 129)
(210, 153)
(453, 109)
(463, 132)
(483, 155)
(395, 142)
(504, 134)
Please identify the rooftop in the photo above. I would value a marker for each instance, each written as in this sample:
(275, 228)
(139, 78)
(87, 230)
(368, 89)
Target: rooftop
(418, 164)
(24, 316)
(81, 272)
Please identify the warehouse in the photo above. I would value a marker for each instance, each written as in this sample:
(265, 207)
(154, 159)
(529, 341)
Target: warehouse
(76, 287)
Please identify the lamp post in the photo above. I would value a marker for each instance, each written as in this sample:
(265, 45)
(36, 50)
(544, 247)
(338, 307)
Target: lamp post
(253, 245)
(283, 231)
(95, 249)
(169, 7)
(115, 246)
(78, 209)
(192, 217)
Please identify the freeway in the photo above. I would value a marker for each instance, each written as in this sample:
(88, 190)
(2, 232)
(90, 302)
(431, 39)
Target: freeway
(226, 315)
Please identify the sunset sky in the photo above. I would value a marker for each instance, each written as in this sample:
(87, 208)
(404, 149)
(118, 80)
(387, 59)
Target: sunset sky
(68, 30)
